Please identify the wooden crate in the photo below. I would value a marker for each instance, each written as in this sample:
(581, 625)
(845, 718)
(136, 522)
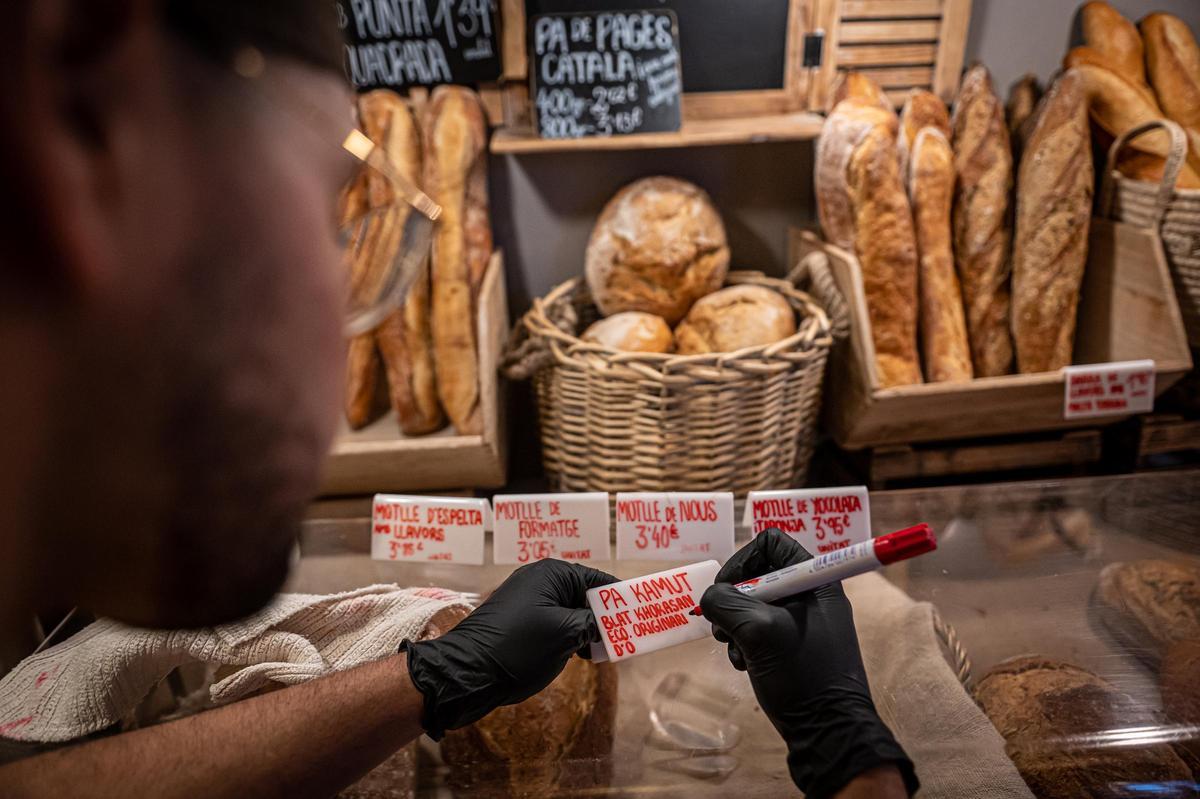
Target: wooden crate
(380, 458)
(1062, 452)
(1159, 439)
(902, 44)
(1127, 312)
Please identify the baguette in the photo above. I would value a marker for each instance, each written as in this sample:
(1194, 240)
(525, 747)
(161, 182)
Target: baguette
(946, 354)
(922, 109)
(1054, 206)
(858, 87)
(886, 246)
(1116, 39)
(1116, 105)
(982, 222)
(404, 339)
(842, 133)
(1023, 97)
(455, 140)
(365, 396)
(1173, 59)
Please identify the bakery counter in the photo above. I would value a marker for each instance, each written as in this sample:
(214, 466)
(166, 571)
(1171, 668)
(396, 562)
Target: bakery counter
(1016, 574)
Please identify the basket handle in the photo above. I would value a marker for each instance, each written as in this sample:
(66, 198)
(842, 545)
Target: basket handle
(1175, 161)
(524, 354)
(813, 273)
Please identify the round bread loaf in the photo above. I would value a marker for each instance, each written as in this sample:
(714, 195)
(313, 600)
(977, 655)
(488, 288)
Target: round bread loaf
(1181, 697)
(632, 331)
(658, 246)
(1049, 713)
(733, 318)
(1149, 604)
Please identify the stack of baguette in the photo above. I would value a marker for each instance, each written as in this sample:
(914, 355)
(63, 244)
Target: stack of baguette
(963, 276)
(1131, 78)
(422, 360)
(658, 257)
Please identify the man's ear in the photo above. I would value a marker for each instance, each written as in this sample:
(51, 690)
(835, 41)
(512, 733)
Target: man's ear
(78, 67)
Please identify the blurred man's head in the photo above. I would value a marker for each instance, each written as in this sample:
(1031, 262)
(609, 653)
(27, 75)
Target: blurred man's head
(169, 298)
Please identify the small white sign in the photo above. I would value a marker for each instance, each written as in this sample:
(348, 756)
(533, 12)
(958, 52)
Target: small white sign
(1108, 389)
(449, 529)
(821, 519)
(674, 526)
(649, 613)
(532, 527)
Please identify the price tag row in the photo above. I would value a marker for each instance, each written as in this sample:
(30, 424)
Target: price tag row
(575, 527)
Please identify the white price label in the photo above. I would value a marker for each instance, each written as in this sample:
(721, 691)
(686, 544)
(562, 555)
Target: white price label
(674, 526)
(821, 519)
(449, 529)
(649, 613)
(532, 527)
(1108, 389)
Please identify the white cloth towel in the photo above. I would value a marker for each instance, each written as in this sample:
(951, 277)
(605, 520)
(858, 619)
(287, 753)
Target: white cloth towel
(957, 751)
(93, 679)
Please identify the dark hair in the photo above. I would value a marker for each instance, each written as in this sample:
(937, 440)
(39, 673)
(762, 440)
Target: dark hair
(302, 29)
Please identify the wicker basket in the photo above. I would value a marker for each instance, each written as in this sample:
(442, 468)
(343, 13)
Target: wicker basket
(1175, 213)
(622, 421)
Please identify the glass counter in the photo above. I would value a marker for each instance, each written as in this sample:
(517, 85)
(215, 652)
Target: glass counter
(1015, 574)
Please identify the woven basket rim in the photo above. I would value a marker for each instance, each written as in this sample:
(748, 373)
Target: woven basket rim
(1151, 186)
(811, 331)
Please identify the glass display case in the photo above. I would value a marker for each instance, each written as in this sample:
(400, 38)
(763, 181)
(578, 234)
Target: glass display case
(1016, 575)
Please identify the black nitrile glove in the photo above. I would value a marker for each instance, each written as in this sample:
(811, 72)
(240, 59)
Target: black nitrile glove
(510, 648)
(803, 660)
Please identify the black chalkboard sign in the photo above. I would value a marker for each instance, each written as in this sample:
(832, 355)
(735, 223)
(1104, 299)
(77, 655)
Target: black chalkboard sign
(604, 73)
(725, 45)
(400, 43)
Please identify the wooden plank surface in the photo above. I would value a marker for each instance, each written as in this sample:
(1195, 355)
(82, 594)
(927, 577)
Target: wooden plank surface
(904, 462)
(694, 133)
(952, 48)
(872, 32)
(825, 17)
(874, 9)
(1161, 434)
(513, 54)
(901, 77)
(885, 55)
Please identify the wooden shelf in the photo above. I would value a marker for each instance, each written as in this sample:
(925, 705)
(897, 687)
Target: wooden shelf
(695, 133)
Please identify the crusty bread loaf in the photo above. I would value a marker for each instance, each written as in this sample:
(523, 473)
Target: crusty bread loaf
(404, 338)
(366, 394)
(946, 353)
(984, 166)
(455, 145)
(1116, 105)
(1150, 604)
(1054, 208)
(733, 318)
(1173, 59)
(858, 87)
(1115, 38)
(1045, 709)
(1023, 98)
(1181, 697)
(658, 246)
(556, 743)
(922, 109)
(632, 331)
(842, 133)
(886, 246)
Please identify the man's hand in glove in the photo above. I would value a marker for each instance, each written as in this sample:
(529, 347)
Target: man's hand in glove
(510, 648)
(806, 669)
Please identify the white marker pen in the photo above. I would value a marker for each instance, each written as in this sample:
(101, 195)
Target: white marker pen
(838, 565)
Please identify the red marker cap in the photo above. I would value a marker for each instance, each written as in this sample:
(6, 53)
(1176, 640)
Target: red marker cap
(904, 544)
